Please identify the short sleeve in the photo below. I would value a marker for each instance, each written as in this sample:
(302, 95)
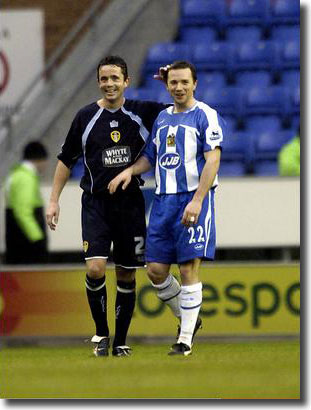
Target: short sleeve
(213, 128)
(150, 150)
(72, 148)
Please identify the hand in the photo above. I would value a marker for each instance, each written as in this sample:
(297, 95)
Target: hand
(125, 177)
(52, 215)
(161, 73)
(191, 213)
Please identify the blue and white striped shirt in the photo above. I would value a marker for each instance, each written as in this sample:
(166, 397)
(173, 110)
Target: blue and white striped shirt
(177, 144)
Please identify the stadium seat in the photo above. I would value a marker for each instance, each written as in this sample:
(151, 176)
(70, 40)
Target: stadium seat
(234, 157)
(209, 79)
(193, 35)
(254, 55)
(288, 55)
(202, 12)
(231, 123)
(164, 97)
(247, 12)
(261, 123)
(253, 78)
(268, 143)
(144, 94)
(212, 56)
(285, 11)
(227, 101)
(266, 168)
(162, 54)
(78, 170)
(267, 147)
(295, 122)
(266, 100)
(240, 33)
(290, 78)
(285, 33)
(294, 100)
(231, 168)
(152, 84)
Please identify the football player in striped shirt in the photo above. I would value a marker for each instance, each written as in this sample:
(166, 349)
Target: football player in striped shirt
(185, 148)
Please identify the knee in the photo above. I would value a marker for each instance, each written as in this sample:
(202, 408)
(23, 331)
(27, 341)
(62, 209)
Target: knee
(156, 274)
(96, 268)
(124, 274)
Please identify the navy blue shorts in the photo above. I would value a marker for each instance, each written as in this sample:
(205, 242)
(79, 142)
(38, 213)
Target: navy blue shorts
(169, 241)
(117, 219)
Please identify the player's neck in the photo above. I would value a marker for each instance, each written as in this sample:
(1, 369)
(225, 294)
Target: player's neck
(184, 107)
(103, 103)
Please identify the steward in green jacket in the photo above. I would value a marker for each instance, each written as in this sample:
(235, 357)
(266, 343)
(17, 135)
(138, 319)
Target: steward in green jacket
(289, 158)
(26, 239)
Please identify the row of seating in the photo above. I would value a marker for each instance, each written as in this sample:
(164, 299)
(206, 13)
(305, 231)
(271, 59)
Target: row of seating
(281, 32)
(253, 151)
(225, 56)
(224, 13)
(235, 100)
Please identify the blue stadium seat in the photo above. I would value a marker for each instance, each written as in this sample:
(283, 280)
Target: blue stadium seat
(267, 147)
(193, 35)
(295, 123)
(227, 101)
(151, 83)
(240, 33)
(289, 55)
(212, 56)
(248, 12)
(234, 157)
(285, 33)
(202, 12)
(266, 100)
(231, 168)
(285, 11)
(253, 78)
(291, 78)
(294, 100)
(209, 79)
(255, 55)
(78, 170)
(144, 94)
(269, 168)
(231, 123)
(268, 143)
(165, 98)
(162, 54)
(259, 123)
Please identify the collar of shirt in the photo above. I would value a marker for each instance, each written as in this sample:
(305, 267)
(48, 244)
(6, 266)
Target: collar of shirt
(29, 165)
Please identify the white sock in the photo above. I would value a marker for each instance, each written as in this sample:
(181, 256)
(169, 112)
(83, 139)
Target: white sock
(168, 292)
(190, 300)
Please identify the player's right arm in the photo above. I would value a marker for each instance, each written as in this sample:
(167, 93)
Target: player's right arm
(139, 167)
(61, 176)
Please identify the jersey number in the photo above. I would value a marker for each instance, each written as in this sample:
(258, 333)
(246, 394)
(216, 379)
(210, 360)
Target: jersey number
(139, 248)
(200, 234)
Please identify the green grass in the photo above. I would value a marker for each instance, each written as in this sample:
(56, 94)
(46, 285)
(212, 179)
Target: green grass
(214, 370)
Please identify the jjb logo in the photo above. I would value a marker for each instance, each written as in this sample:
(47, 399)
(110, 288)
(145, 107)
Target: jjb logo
(170, 160)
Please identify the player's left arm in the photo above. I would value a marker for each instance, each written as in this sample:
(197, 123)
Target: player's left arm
(210, 169)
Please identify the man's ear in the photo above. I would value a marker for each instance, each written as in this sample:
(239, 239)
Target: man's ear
(127, 82)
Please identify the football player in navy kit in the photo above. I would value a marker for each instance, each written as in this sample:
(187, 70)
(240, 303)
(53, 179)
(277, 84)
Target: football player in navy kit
(109, 134)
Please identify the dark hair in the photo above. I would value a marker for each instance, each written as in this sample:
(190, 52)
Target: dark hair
(180, 65)
(35, 150)
(113, 60)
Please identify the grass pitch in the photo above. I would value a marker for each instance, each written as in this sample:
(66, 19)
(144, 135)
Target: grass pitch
(265, 370)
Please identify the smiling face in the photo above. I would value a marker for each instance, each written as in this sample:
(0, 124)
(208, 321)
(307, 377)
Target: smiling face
(181, 86)
(112, 85)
